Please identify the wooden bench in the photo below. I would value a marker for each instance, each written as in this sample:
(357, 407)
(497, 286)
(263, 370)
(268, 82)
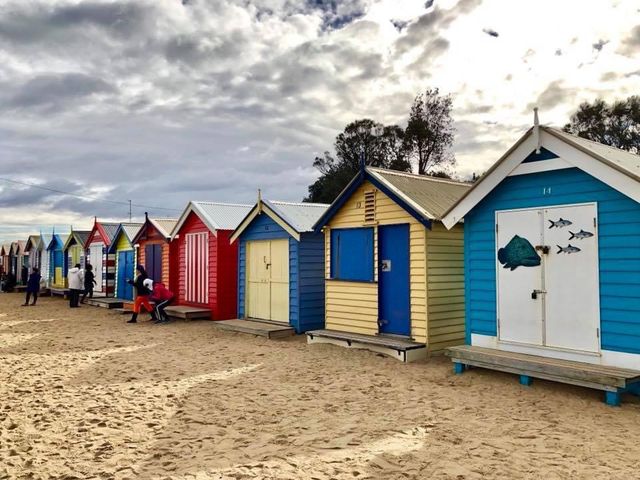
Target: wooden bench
(253, 327)
(612, 380)
(398, 348)
(188, 313)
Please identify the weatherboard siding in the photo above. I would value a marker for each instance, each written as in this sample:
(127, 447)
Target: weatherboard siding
(306, 279)
(618, 249)
(445, 288)
(353, 306)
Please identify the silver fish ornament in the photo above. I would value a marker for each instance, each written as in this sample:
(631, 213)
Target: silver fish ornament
(560, 223)
(581, 235)
(568, 249)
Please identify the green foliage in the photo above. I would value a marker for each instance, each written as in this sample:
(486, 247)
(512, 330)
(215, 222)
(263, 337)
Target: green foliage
(616, 124)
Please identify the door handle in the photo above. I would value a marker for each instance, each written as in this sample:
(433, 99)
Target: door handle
(534, 294)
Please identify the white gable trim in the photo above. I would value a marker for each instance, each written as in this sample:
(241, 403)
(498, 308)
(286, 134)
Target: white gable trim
(609, 175)
(541, 166)
(262, 207)
(501, 170)
(512, 161)
(193, 207)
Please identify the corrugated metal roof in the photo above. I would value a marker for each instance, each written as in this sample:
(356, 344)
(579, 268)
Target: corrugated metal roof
(164, 225)
(301, 216)
(110, 229)
(432, 196)
(21, 245)
(82, 236)
(222, 216)
(627, 162)
(131, 229)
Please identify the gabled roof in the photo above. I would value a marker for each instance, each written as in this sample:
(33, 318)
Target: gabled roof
(5, 248)
(21, 244)
(216, 216)
(43, 243)
(78, 237)
(294, 218)
(107, 231)
(617, 168)
(32, 242)
(13, 247)
(164, 226)
(129, 230)
(424, 197)
(57, 239)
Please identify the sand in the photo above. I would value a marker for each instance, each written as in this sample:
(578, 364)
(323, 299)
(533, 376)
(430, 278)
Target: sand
(85, 396)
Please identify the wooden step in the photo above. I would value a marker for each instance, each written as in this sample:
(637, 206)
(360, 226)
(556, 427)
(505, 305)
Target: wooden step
(105, 302)
(188, 313)
(401, 349)
(612, 380)
(262, 329)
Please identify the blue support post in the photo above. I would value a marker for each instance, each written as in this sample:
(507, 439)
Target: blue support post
(526, 380)
(612, 398)
(458, 368)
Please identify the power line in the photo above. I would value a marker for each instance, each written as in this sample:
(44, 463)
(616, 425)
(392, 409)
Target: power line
(88, 197)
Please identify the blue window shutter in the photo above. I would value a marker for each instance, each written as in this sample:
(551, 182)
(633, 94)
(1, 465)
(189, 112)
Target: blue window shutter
(352, 254)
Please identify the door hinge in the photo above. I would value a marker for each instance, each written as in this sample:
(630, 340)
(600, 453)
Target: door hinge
(595, 222)
(597, 333)
(496, 228)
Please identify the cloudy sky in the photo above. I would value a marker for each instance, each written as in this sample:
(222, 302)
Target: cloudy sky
(163, 101)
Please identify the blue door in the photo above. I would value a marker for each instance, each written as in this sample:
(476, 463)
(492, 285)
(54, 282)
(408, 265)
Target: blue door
(153, 261)
(393, 279)
(125, 270)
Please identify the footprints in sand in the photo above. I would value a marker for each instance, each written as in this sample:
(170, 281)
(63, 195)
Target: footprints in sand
(11, 339)
(323, 466)
(13, 323)
(109, 425)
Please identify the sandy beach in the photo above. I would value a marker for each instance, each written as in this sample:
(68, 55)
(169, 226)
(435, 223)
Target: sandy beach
(85, 396)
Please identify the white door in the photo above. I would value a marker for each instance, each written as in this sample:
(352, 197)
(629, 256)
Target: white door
(552, 300)
(571, 278)
(519, 274)
(95, 259)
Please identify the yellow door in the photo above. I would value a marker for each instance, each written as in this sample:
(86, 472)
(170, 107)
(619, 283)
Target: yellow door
(279, 278)
(258, 280)
(268, 280)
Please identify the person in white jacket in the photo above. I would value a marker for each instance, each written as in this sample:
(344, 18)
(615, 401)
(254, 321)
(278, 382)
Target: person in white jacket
(75, 276)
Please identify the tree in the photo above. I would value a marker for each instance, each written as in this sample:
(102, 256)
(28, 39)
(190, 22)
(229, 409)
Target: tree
(617, 125)
(358, 139)
(429, 134)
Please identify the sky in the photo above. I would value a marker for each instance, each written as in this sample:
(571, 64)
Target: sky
(165, 101)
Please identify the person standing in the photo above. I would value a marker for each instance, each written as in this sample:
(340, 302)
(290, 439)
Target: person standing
(33, 287)
(89, 282)
(75, 277)
(142, 294)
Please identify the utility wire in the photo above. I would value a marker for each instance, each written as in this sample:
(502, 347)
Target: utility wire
(87, 197)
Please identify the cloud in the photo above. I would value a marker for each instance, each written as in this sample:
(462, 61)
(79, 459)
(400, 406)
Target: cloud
(54, 91)
(165, 101)
(631, 44)
(555, 94)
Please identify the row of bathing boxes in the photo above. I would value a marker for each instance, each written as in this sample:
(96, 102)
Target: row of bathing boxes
(533, 270)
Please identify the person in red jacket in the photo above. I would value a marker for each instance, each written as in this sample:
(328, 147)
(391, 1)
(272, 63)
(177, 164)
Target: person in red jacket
(162, 297)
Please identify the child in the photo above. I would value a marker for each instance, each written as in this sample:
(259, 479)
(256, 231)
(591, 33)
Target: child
(89, 282)
(142, 295)
(163, 297)
(33, 287)
(75, 277)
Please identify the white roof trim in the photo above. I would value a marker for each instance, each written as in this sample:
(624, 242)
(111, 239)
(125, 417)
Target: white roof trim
(263, 207)
(570, 154)
(194, 207)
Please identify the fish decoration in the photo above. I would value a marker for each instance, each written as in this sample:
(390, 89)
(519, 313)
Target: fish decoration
(560, 223)
(568, 249)
(581, 235)
(518, 252)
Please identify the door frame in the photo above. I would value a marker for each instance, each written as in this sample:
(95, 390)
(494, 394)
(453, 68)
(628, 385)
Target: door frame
(534, 349)
(246, 281)
(378, 272)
